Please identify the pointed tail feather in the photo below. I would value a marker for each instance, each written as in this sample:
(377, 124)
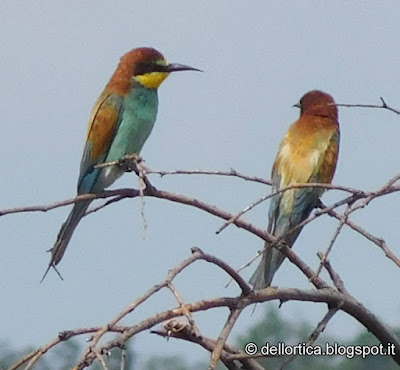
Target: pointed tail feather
(65, 234)
(270, 262)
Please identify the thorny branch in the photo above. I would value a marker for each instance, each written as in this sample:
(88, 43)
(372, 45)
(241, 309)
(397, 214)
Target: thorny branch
(336, 297)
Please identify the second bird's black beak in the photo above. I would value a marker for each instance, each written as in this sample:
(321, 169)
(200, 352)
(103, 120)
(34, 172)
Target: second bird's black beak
(174, 67)
(297, 105)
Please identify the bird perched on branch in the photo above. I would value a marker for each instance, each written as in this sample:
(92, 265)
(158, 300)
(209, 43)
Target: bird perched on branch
(307, 154)
(121, 121)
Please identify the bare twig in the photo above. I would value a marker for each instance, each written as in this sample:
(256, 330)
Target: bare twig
(214, 211)
(107, 203)
(178, 297)
(197, 254)
(216, 353)
(284, 189)
(316, 332)
(123, 358)
(63, 336)
(45, 208)
(392, 181)
(232, 173)
(139, 301)
(337, 281)
(143, 183)
(324, 256)
(348, 200)
(322, 324)
(294, 258)
(229, 270)
(247, 264)
(381, 106)
(377, 241)
(101, 360)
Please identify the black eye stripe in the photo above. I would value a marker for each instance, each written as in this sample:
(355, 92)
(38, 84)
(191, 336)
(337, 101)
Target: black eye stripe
(143, 68)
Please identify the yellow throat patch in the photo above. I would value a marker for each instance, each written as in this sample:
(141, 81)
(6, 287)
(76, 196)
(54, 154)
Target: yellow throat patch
(152, 80)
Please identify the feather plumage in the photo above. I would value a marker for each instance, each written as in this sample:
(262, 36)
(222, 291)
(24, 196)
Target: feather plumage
(308, 154)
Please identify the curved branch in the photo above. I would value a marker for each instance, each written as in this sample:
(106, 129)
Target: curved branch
(330, 296)
(133, 193)
(197, 254)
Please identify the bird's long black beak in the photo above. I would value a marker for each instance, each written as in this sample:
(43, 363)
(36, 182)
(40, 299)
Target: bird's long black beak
(174, 67)
(297, 105)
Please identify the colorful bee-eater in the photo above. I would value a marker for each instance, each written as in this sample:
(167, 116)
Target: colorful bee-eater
(121, 121)
(307, 154)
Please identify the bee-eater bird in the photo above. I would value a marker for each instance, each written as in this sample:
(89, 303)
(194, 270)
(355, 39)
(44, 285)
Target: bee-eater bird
(121, 121)
(307, 154)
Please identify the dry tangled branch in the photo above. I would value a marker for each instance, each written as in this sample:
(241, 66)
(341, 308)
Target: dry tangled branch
(220, 350)
(178, 321)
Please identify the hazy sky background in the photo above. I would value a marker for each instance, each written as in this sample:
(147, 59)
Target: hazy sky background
(259, 58)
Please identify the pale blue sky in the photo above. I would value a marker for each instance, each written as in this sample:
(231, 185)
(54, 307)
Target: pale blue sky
(259, 58)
